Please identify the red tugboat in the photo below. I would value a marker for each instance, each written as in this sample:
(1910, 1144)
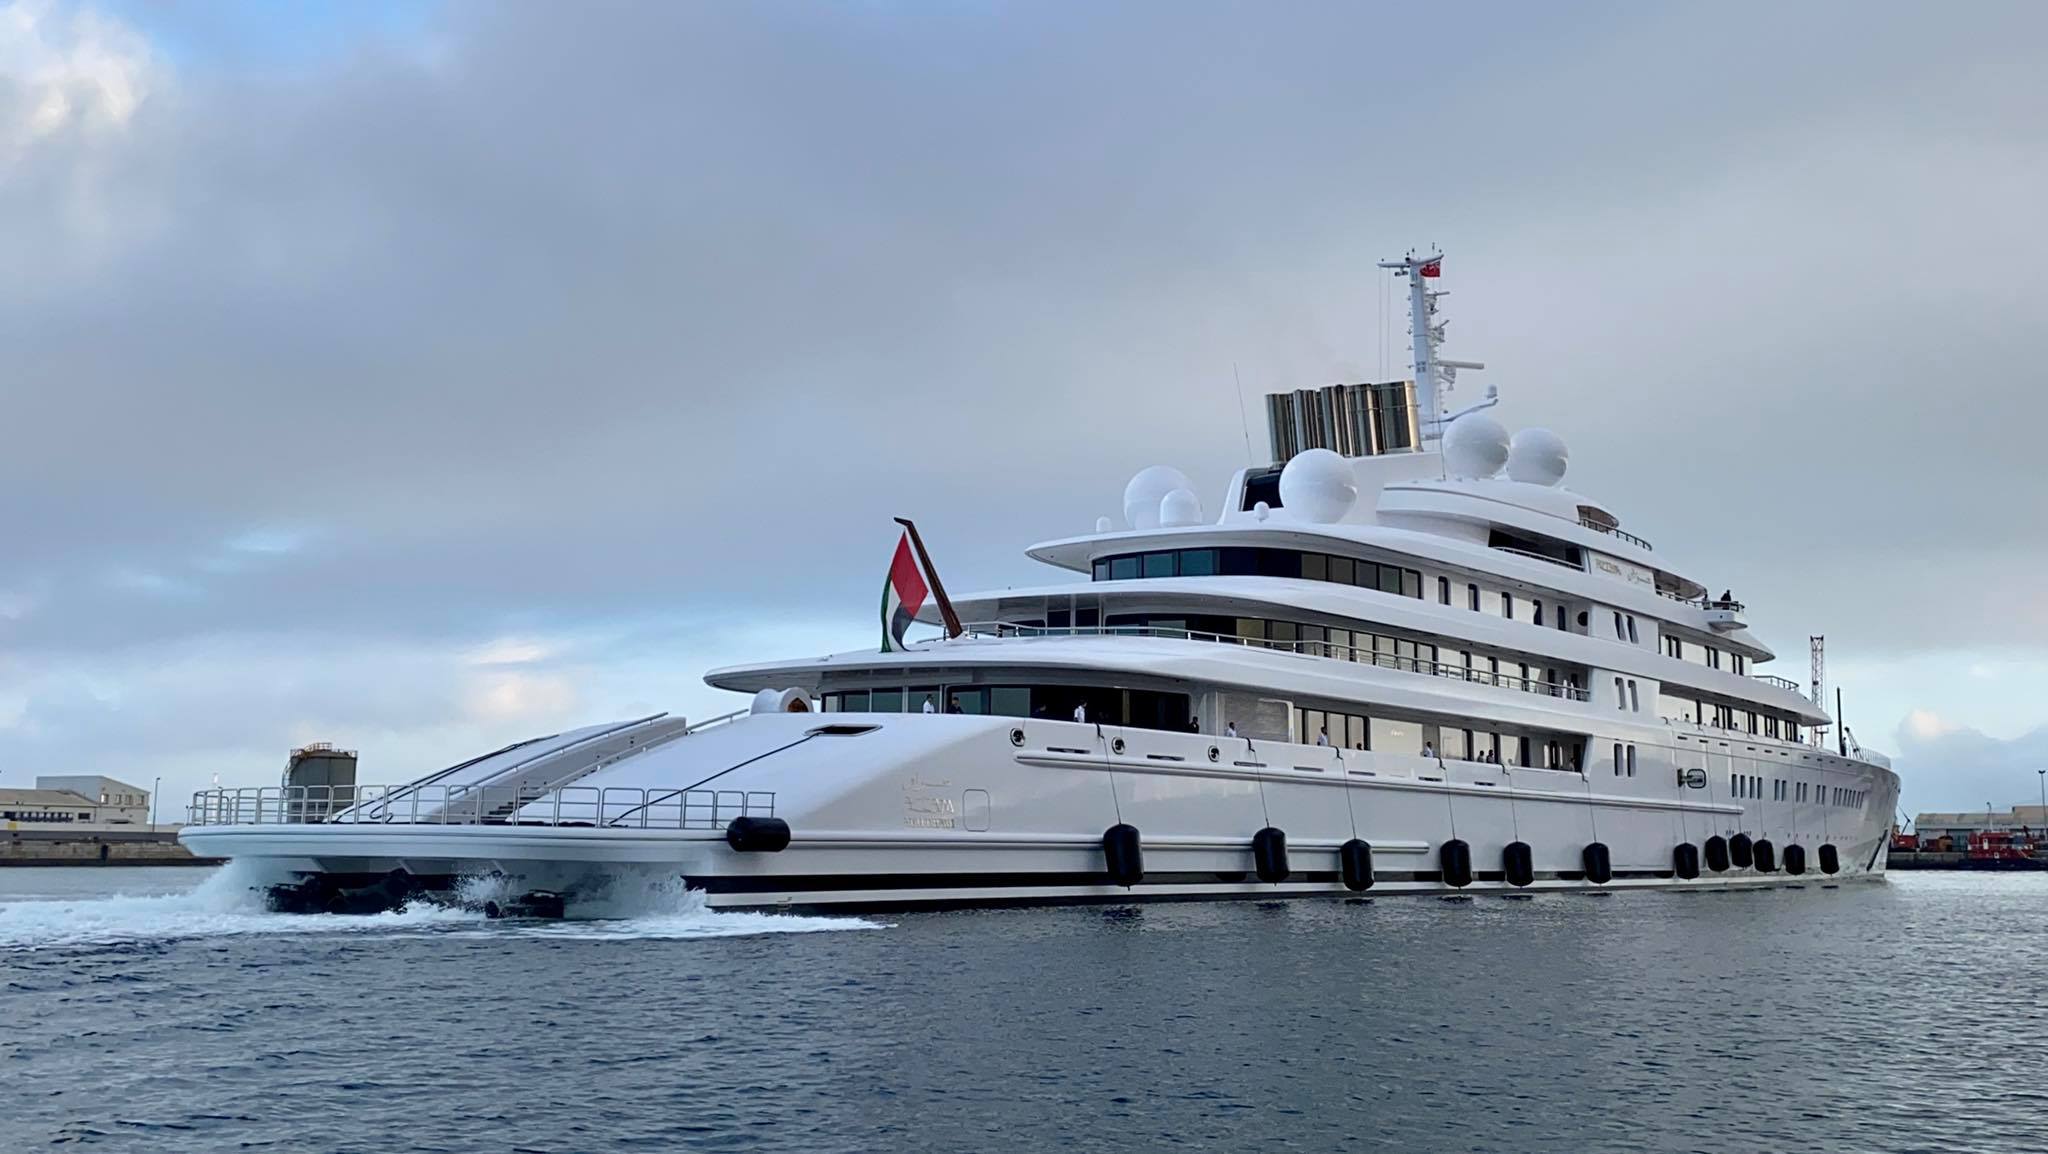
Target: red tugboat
(1999, 849)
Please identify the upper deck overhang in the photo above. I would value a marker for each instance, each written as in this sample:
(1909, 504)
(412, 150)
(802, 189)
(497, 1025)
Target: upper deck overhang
(1631, 588)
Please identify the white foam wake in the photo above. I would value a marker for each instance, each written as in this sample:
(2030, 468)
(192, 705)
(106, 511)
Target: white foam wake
(629, 905)
(227, 904)
(230, 903)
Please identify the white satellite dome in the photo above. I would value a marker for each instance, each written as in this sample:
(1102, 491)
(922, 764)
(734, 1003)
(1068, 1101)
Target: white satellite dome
(1318, 486)
(1102, 525)
(1146, 490)
(1538, 457)
(1180, 508)
(1475, 446)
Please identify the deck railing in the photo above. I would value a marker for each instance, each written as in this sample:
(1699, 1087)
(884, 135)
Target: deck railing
(611, 806)
(1780, 682)
(1325, 649)
(1617, 534)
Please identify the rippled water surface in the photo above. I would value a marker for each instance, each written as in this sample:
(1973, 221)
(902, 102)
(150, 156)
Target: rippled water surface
(155, 1009)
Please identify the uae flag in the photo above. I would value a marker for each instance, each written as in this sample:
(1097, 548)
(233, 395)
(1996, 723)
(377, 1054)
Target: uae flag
(903, 595)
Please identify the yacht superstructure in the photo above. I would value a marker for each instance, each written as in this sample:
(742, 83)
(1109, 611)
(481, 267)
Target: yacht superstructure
(1428, 667)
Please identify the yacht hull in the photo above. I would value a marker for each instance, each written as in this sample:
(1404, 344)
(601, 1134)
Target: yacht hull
(971, 811)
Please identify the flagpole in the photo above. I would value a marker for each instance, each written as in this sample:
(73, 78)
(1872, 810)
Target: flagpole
(932, 575)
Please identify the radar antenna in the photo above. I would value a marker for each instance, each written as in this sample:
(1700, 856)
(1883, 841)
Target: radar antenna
(1817, 646)
(1434, 375)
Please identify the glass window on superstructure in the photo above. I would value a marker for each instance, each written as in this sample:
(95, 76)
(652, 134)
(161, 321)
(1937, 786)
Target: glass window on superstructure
(1390, 580)
(1631, 761)
(1313, 724)
(1123, 568)
(1159, 564)
(885, 701)
(1738, 663)
(1315, 567)
(1344, 570)
(1443, 590)
(1389, 736)
(1617, 759)
(1198, 562)
(1713, 658)
(1673, 647)
(1310, 640)
(1102, 569)
(1507, 605)
(1632, 640)
(1536, 611)
(1620, 694)
(1010, 700)
(1472, 597)
(1635, 704)
(967, 700)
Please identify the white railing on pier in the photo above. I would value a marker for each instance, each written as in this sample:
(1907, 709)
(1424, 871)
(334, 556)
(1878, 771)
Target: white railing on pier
(1325, 649)
(611, 806)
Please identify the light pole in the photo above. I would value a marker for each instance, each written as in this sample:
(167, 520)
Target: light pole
(155, 788)
(2043, 775)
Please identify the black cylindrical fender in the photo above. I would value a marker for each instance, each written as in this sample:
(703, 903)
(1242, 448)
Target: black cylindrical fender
(1123, 855)
(757, 834)
(1354, 862)
(1269, 854)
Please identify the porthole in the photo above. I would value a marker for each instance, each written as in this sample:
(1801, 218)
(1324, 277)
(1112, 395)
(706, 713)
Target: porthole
(1116, 745)
(1017, 738)
(1214, 753)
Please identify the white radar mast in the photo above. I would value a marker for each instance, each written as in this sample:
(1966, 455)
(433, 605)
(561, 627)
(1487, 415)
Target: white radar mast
(1434, 375)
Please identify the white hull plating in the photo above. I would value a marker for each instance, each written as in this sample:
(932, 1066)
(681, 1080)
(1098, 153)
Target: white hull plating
(917, 810)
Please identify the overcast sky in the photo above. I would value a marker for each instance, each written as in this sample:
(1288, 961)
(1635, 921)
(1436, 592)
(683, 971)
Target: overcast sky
(420, 378)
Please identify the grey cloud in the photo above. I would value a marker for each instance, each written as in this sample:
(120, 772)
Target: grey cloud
(663, 310)
(1964, 769)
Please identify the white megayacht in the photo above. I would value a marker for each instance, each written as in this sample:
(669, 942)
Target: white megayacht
(1421, 669)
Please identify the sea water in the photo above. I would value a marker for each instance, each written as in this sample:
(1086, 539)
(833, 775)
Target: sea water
(163, 1010)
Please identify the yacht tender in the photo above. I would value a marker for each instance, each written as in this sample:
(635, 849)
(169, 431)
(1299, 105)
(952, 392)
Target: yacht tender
(1421, 669)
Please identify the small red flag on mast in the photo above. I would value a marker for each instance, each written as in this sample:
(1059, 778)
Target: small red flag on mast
(1434, 268)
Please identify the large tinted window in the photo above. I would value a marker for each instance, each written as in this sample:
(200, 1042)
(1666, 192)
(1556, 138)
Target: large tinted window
(1245, 561)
